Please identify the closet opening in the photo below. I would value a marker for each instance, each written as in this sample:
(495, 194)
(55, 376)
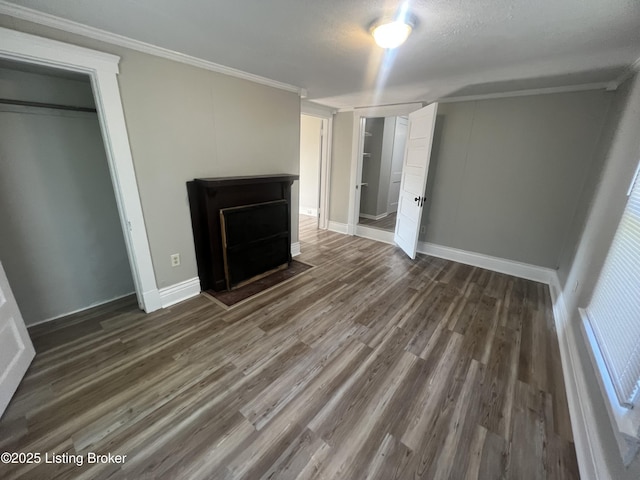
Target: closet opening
(63, 247)
(383, 141)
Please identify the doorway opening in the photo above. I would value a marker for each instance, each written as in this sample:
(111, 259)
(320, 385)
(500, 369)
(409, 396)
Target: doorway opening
(63, 247)
(102, 70)
(316, 124)
(418, 138)
(383, 147)
(360, 116)
(311, 131)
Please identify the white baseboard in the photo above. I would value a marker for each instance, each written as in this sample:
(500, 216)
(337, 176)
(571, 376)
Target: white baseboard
(152, 301)
(589, 449)
(338, 227)
(179, 292)
(311, 212)
(496, 264)
(295, 249)
(374, 217)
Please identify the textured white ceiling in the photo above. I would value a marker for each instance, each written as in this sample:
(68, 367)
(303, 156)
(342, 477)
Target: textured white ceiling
(324, 47)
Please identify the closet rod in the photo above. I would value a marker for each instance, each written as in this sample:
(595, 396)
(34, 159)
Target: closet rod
(22, 103)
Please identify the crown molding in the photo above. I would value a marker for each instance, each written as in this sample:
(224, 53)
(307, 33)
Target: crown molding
(308, 107)
(69, 26)
(389, 110)
(535, 91)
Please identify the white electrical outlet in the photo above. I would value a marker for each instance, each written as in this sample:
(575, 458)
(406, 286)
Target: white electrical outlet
(175, 259)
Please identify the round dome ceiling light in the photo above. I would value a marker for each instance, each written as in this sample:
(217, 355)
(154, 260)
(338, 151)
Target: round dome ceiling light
(391, 34)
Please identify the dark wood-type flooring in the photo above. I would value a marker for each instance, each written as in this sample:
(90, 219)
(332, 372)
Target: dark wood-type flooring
(370, 365)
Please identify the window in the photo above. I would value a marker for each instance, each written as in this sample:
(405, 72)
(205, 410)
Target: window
(612, 327)
(614, 311)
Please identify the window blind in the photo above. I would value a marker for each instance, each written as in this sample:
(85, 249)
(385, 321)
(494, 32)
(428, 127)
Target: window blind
(614, 310)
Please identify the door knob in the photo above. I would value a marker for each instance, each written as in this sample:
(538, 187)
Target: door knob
(417, 199)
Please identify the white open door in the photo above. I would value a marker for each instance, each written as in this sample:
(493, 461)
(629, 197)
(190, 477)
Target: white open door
(16, 349)
(414, 177)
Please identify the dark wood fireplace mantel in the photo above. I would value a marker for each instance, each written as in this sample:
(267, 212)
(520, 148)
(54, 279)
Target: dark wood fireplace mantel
(207, 196)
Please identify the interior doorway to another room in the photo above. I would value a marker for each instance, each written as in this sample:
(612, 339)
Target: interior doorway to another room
(310, 161)
(315, 165)
(383, 146)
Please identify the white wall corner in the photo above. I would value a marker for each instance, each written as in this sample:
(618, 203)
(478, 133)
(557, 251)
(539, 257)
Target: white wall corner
(338, 227)
(295, 249)
(589, 449)
(179, 292)
(496, 264)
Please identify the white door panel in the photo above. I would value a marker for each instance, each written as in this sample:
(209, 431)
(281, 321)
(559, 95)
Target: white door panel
(409, 209)
(16, 349)
(414, 178)
(418, 125)
(413, 185)
(415, 155)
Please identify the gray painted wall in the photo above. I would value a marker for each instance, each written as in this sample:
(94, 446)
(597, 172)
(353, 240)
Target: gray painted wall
(619, 100)
(185, 122)
(506, 174)
(61, 244)
(310, 150)
(620, 151)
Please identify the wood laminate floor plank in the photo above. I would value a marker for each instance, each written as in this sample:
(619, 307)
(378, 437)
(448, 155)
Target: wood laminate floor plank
(369, 366)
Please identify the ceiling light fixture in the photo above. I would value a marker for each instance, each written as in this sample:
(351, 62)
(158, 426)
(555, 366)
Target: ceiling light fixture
(392, 33)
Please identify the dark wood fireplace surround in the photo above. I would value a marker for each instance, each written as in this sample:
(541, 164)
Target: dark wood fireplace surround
(209, 196)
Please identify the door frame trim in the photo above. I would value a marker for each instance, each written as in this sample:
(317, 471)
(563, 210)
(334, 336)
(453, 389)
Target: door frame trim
(326, 115)
(102, 68)
(359, 117)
